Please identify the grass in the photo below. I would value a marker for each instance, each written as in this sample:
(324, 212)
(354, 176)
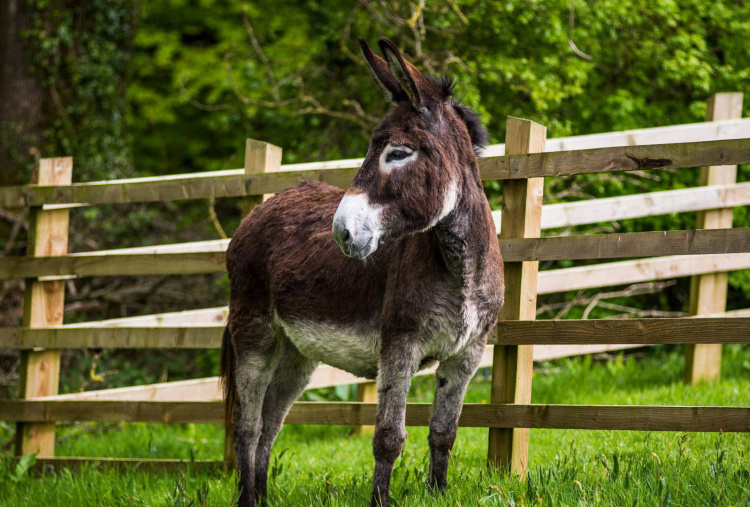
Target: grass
(316, 465)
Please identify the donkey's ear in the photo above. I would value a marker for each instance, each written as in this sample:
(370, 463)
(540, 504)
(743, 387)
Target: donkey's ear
(399, 70)
(380, 73)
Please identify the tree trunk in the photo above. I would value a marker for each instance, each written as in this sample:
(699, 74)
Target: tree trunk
(21, 98)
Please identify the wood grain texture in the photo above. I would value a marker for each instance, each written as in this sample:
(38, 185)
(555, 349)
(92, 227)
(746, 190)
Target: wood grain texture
(197, 318)
(634, 244)
(635, 331)
(686, 133)
(44, 303)
(513, 365)
(610, 209)
(212, 245)
(114, 265)
(708, 293)
(640, 270)
(367, 392)
(260, 157)
(543, 332)
(592, 417)
(506, 167)
(617, 159)
(202, 389)
(183, 187)
(207, 337)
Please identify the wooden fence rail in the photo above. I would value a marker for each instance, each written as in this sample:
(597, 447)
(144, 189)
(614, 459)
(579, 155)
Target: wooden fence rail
(542, 332)
(506, 167)
(591, 417)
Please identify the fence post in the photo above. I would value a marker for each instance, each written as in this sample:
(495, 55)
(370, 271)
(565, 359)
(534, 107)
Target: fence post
(708, 293)
(367, 392)
(260, 157)
(512, 366)
(43, 307)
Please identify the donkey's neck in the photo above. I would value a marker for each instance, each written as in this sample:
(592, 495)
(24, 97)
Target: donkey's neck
(464, 235)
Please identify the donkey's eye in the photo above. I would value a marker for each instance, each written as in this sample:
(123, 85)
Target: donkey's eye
(396, 155)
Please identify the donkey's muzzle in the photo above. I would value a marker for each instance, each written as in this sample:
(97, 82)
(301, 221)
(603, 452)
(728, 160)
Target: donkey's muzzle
(353, 243)
(356, 226)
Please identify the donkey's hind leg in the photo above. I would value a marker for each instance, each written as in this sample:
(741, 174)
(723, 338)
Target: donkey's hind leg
(289, 381)
(256, 350)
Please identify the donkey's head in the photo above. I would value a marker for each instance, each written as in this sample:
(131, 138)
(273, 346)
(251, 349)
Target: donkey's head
(420, 161)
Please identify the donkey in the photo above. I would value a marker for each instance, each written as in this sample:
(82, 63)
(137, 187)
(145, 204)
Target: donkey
(420, 280)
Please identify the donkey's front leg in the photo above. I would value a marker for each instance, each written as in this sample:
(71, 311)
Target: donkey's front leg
(452, 378)
(396, 370)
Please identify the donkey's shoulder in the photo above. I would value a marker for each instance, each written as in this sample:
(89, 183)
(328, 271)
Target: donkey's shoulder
(298, 212)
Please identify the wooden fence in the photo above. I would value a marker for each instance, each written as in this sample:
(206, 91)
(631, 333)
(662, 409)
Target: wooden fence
(706, 254)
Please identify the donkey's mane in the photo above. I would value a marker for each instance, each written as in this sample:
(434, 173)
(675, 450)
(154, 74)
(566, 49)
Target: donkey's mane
(447, 86)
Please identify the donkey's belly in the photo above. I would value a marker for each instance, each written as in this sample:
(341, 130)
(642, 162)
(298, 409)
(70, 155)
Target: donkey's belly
(345, 348)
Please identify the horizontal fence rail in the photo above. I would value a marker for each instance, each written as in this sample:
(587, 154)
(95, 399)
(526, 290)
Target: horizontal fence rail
(610, 209)
(636, 271)
(635, 244)
(592, 417)
(185, 263)
(112, 337)
(599, 246)
(617, 159)
(540, 332)
(506, 167)
(616, 331)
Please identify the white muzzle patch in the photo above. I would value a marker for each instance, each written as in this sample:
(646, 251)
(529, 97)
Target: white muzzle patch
(357, 226)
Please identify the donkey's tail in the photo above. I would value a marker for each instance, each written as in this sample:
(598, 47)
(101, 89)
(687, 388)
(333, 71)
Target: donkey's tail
(227, 372)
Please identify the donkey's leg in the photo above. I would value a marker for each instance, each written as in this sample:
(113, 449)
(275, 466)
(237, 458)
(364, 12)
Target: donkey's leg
(289, 380)
(396, 369)
(452, 378)
(257, 356)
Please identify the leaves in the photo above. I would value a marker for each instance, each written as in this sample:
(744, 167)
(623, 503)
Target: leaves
(23, 466)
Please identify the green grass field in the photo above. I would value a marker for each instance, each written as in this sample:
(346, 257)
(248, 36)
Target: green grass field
(317, 465)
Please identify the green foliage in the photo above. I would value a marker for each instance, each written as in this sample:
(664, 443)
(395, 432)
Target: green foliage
(23, 465)
(653, 63)
(79, 52)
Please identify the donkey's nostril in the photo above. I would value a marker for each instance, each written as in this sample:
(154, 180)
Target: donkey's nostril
(341, 234)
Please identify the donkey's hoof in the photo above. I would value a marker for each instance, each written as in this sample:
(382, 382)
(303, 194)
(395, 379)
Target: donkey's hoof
(437, 487)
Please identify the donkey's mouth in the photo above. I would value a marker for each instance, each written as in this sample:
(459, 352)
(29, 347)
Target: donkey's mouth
(359, 251)
(357, 226)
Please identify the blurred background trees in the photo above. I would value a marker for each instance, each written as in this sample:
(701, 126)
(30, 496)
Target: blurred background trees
(160, 87)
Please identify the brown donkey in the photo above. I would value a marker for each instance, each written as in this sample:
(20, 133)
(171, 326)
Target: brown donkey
(421, 280)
